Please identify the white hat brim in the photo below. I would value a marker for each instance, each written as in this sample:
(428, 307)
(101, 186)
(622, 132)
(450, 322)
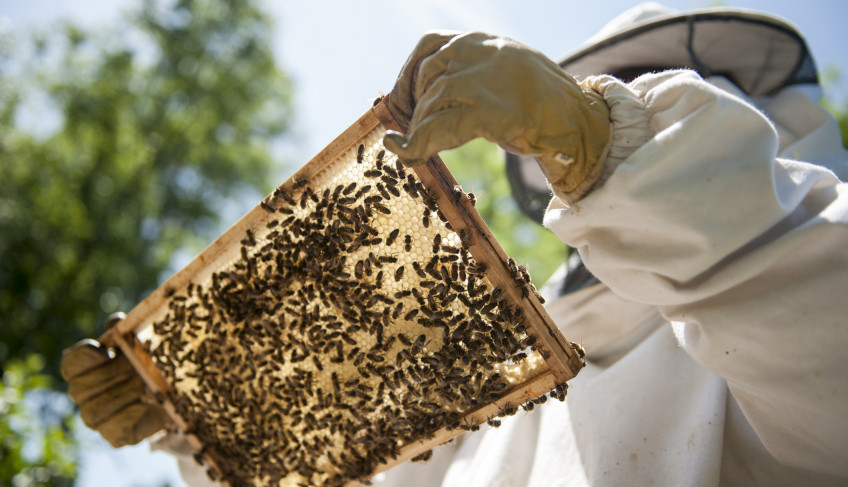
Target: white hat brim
(759, 52)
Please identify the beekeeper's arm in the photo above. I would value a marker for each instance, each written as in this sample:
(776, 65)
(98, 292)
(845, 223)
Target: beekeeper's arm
(693, 211)
(745, 251)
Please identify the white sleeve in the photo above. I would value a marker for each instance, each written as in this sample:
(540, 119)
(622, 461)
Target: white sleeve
(744, 251)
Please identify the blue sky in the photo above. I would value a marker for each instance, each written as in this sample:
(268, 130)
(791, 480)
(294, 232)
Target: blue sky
(341, 54)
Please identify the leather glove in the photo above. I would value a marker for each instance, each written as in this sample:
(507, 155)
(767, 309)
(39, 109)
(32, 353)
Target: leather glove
(457, 87)
(111, 396)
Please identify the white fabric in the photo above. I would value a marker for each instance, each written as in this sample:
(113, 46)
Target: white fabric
(710, 222)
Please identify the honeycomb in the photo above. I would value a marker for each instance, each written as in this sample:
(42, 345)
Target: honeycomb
(350, 322)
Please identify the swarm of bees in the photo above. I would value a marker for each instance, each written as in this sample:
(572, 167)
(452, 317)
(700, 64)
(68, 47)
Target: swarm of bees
(354, 321)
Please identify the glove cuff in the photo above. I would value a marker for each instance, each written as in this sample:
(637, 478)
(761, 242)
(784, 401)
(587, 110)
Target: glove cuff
(629, 129)
(573, 175)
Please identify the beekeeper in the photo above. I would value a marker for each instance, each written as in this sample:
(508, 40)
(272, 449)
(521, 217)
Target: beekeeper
(709, 220)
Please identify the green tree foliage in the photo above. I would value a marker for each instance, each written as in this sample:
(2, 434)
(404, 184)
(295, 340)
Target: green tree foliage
(158, 124)
(479, 168)
(36, 445)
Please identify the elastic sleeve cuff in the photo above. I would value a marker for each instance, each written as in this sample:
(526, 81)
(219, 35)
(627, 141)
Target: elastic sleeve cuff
(631, 127)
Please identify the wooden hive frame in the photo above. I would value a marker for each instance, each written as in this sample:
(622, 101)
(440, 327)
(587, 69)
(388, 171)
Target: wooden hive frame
(561, 357)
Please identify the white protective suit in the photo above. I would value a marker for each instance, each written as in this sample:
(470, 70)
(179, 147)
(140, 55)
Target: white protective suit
(718, 343)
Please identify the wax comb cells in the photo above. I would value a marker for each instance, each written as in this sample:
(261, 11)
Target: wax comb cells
(358, 316)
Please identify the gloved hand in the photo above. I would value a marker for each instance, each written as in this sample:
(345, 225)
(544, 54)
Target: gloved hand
(111, 396)
(457, 87)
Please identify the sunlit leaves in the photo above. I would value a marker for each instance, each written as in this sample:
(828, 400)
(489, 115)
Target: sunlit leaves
(36, 443)
(153, 127)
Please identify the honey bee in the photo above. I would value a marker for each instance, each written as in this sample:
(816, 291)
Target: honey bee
(410, 187)
(408, 316)
(419, 344)
(405, 339)
(457, 194)
(212, 474)
(317, 363)
(362, 190)
(538, 295)
(299, 183)
(403, 355)
(392, 236)
(579, 349)
(424, 457)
